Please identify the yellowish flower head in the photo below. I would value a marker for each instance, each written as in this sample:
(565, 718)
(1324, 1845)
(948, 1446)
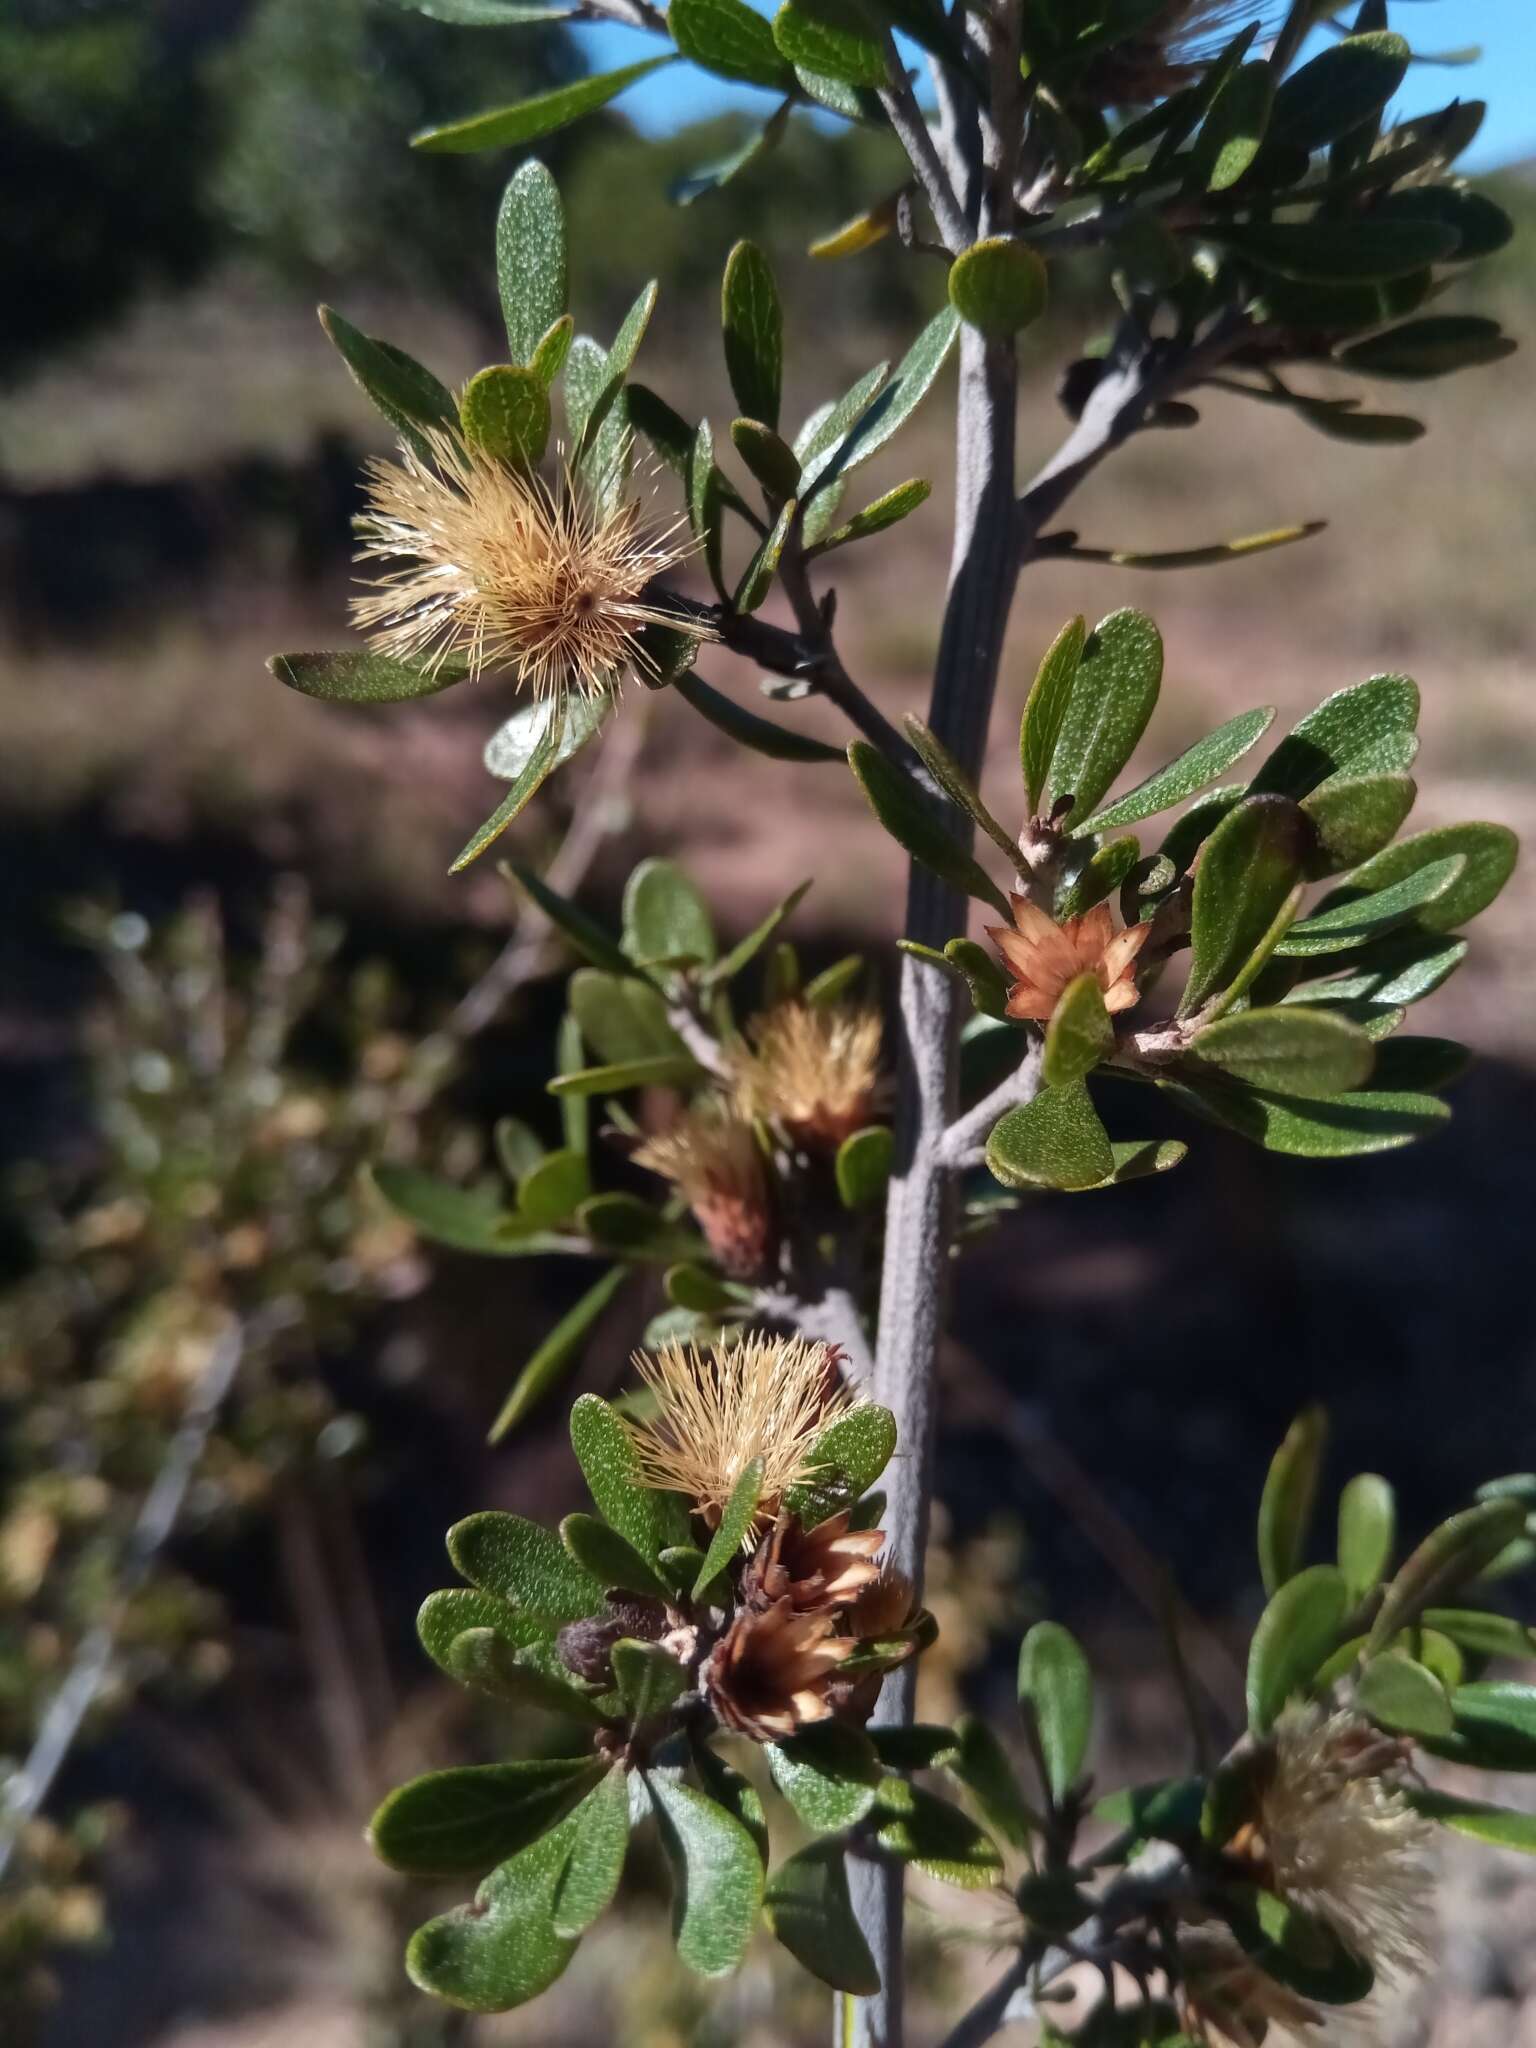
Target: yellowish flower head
(812, 1067)
(713, 1158)
(485, 564)
(747, 1397)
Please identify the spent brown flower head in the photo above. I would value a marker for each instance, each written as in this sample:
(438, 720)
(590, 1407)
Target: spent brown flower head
(813, 1068)
(773, 1670)
(1172, 47)
(485, 564)
(1043, 957)
(1225, 1997)
(747, 1397)
(713, 1159)
(813, 1568)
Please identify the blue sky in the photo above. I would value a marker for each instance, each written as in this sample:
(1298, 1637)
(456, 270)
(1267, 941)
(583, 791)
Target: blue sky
(1504, 75)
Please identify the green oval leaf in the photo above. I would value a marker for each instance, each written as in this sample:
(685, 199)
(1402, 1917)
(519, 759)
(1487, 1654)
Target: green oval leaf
(1047, 707)
(736, 1520)
(1358, 251)
(1248, 867)
(558, 1353)
(359, 677)
(1397, 1693)
(650, 1519)
(730, 39)
(1367, 1532)
(1196, 766)
(1290, 1496)
(918, 1827)
(828, 1773)
(1110, 699)
(502, 1950)
(1356, 920)
(863, 1166)
(1056, 1686)
(1488, 853)
(505, 411)
(843, 1463)
(808, 1908)
(1296, 1632)
(753, 324)
(1079, 1035)
(1338, 90)
(599, 1840)
(1448, 1557)
(1264, 1049)
(832, 38)
(460, 1822)
(531, 261)
(912, 822)
(523, 1563)
(717, 1875)
(666, 920)
(1056, 1141)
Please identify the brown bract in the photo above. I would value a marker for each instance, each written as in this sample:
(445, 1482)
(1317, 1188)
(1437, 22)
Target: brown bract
(1044, 957)
(713, 1159)
(494, 567)
(772, 1670)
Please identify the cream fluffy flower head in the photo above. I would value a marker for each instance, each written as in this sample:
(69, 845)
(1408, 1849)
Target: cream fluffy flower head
(748, 1397)
(1343, 1843)
(812, 1067)
(485, 564)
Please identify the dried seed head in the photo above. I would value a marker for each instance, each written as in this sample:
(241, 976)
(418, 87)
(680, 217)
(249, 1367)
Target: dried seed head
(1343, 1843)
(748, 1397)
(1225, 1997)
(713, 1158)
(771, 1672)
(883, 1606)
(1044, 957)
(491, 566)
(1172, 48)
(814, 1068)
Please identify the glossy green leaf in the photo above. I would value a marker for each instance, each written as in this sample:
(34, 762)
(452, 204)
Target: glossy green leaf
(1196, 766)
(1367, 1532)
(622, 1018)
(956, 784)
(899, 399)
(730, 39)
(530, 1676)
(753, 325)
(1343, 730)
(1056, 1141)
(834, 982)
(736, 1793)
(746, 950)
(556, 1355)
(1047, 707)
(863, 1166)
(1296, 1631)
(1110, 699)
(1481, 226)
(710, 177)
(1355, 251)
(911, 821)
(1265, 1049)
(458, 1610)
(608, 1558)
(656, 1070)
(524, 1563)
(584, 933)
(757, 577)
(778, 742)
(599, 1840)
(1298, 1949)
(828, 1773)
(886, 510)
(737, 1519)
(1079, 1035)
(999, 286)
(918, 1827)
(982, 1765)
(530, 259)
(1449, 1557)
(407, 395)
(819, 443)
(666, 920)
(505, 411)
(1233, 129)
(624, 1223)
(570, 724)
(1496, 1825)
(1356, 920)
(1056, 1687)
(554, 347)
(1289, 1498)
(1248, 867)
(833, 38)
(1494, 1727)
(808, 1908)
(650, 1519)
(717, 1874)
(1354, 817)
(843, 1464)
(462, 1821)
(770, 460)
(502, 1950)
(509, 127)
(466, 1219)
(1347, 84)
(1335, 1127)
(1489, 853)
(1399, 1694)
(551, 1188)
(359, 677)
(1484, 1633)
(600, 431)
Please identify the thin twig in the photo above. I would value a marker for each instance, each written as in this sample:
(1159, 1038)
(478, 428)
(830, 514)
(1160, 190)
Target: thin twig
(1293, 33)
(23, 1796)
(959, 1146)
(990, 2012)
(915, 137)
(833, 1317)
(823, 668)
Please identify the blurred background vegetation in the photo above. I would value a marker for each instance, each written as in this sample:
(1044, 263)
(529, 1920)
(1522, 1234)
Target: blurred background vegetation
(230, 961)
